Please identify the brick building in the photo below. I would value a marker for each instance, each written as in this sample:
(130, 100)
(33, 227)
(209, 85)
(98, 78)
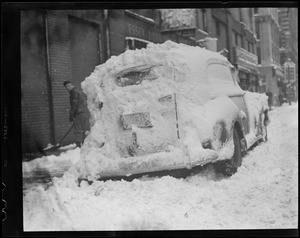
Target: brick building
(55, 46)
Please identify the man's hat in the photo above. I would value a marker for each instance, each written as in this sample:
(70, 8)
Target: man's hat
(67, 82)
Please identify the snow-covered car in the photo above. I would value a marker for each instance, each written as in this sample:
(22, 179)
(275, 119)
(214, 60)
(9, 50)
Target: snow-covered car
(169, 106)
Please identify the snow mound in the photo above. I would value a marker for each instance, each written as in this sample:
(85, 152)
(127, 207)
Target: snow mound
(180, 73)
(181, 104)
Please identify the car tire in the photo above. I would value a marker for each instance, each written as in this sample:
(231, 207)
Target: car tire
(230, 166)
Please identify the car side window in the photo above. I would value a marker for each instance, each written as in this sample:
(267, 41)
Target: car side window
(219, 73)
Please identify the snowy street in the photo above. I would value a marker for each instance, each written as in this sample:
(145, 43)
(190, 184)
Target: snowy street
(263, 194)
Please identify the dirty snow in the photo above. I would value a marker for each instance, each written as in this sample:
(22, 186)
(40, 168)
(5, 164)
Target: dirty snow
(263, 194)
(41, 170)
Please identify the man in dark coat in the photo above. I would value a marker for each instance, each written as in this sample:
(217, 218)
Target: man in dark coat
(280, 98)
(270, 100)
(79, 113)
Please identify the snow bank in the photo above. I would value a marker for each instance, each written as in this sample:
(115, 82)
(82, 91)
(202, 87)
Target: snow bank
(51, 163)
(263, 194)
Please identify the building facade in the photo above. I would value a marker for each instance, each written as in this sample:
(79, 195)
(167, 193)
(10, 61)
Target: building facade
(55, 46)
(288, 20)
(68, 44)
(217, 29)
(135, 28)
(244, 45)
(268, 34)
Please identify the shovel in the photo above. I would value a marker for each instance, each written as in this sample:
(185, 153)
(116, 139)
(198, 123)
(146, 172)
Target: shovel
(59, 143)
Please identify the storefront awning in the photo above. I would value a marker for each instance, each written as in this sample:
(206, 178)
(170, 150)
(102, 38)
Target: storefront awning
(244, 69)
(247, 70)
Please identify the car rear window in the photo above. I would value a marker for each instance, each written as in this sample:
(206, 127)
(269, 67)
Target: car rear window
(135, 77)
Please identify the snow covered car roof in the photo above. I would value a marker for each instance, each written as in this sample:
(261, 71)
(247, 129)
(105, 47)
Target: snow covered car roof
(188, 62)
(169, 53)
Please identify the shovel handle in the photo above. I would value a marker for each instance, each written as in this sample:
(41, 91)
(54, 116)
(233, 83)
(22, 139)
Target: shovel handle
(65, 134)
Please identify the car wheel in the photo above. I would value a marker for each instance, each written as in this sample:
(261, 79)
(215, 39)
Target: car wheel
(229, 167)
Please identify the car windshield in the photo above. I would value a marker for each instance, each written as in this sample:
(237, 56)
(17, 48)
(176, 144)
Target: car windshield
(134, 77)
(219, 73)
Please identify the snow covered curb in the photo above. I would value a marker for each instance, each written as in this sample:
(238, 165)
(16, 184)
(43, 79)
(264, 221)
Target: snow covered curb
(51, 162)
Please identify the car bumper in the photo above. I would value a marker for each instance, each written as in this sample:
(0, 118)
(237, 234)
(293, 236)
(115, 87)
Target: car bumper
(163, 161)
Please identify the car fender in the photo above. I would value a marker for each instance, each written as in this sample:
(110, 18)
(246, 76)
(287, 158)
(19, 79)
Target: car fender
(223, 115)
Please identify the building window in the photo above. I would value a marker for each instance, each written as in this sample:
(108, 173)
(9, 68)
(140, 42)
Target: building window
(133, 43)
(241, 14)
(204, 19)
(262, 84)
(233, 39)
(240, 42)
(129, 44)
(139, 44)
(218, 31)
(255, 10)
(257, 30)
(258, 55)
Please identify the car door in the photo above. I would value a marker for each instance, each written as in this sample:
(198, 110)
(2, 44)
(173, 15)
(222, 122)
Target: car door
(239, 100)
(221, 74)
